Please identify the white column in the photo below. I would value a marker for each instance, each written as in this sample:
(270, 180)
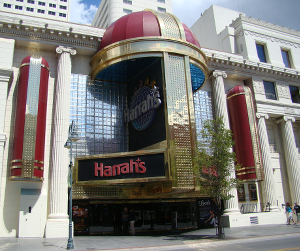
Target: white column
(57, 222)
(268, 183)
(231, 205)
(291, 157)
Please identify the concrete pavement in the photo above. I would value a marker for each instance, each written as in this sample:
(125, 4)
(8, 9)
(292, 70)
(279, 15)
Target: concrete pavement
(151, 242)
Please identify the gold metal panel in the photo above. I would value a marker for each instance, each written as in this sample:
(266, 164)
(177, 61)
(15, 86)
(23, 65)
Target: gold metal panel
(122, 181)
(145, 47)
(254, 134)
(179, 131)
(31, 117)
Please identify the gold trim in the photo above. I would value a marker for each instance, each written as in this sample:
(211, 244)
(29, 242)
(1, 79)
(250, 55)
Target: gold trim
(42, 65)
(246, 168)
(180, 26)
(39, 162)
(16, 160)
(237, 94)
(20, 178)
(249, 172)
(16, 167)
(122, 181)
(38, 168)
(145, 47)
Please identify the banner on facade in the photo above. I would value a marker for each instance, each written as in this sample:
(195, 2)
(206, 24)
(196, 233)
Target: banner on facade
(137, 166)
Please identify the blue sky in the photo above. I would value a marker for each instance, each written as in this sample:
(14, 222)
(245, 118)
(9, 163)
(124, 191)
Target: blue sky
(281, 12)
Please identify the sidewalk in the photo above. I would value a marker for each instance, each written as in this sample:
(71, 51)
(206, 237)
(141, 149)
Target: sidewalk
(150, 242)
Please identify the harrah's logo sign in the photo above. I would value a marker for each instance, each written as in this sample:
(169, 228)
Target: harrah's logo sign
(137, 166)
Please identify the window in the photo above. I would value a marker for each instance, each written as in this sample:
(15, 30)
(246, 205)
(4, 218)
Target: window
(17, 7)
(52, 5)
(62, 7)
(19, 1)
(286, 58)
(30, 1)
(161, 9)
(51, 13)
(261, 53)
(62, 14)
(294, 90)
(270, 90)
(29, 9)
(63, 1)
(127, 2)
(7, 5)
(127, 11)
(41, 11)
(42, 3)
(161, 1)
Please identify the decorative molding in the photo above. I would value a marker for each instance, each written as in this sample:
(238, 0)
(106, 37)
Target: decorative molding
(283, 91)
(258, 87)
(267, 37)
(289, 110)
(243, 17)
(60, 49)
(218, 73)
(262, 115)
(285, 119)
(237, 64)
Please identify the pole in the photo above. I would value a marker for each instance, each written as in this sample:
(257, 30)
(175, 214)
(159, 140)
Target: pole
(70, 240)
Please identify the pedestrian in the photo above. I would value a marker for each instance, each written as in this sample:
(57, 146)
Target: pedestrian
(289, 211)
(132, 221)
(125, 220)
(297, 212)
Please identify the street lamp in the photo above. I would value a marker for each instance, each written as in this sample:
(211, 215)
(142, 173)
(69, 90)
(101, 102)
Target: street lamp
(73, 137)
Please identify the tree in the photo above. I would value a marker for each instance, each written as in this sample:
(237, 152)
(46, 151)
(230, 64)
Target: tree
(214, 162)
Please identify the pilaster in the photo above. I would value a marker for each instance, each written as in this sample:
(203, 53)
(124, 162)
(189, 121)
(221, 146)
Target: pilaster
(291, 154)
(231, 205)
(268, 184)
(57, 223)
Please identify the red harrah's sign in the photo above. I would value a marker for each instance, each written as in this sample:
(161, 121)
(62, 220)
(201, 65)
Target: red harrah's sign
(108, 171)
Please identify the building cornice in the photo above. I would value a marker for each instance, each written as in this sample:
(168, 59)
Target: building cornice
(33, 28)
(266, 24)
(237, 64)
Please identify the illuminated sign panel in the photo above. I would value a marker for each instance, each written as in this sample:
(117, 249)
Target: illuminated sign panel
(130, 166)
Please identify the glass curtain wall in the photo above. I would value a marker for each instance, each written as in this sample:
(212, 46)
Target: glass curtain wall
(97, 109)
(203, 105)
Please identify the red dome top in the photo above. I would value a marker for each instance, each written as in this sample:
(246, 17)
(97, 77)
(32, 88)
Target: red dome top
(138, 24)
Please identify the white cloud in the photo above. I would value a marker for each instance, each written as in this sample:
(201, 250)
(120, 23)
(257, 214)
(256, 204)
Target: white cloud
(81, 12)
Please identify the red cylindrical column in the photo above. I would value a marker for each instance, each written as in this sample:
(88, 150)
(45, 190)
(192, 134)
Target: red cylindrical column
(244, 129)
(30, 122)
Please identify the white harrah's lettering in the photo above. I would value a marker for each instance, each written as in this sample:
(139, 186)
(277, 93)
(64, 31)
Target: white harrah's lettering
(108, 171)
(152, 102)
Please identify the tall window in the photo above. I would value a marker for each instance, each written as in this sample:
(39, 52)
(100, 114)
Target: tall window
(286, 58)
(29, 9)
(7, 5)
(97, 108)
(294, 90)
(41, 11)
(203, 111)
(261, 53)
(17, 7)
(270, 90)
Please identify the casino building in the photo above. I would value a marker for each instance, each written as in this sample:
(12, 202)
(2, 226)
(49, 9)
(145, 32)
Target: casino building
(138, 93)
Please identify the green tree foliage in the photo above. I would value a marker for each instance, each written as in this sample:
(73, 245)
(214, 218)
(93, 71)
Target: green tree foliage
(214, 162)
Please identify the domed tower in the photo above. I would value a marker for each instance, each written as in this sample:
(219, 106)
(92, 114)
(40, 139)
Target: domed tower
(161, 63)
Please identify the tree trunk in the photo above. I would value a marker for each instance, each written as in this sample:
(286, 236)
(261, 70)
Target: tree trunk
(220, 229)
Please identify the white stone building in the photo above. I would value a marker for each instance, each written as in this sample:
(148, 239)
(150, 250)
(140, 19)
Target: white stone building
(264, 57)
(111, 10)
(52, 9)
(39, 209)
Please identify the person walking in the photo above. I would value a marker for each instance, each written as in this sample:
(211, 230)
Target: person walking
(132, 221)
(297, 212)
(289, 211)
(125, 220)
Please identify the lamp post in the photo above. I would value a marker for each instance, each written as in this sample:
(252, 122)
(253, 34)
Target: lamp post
(73, 137)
